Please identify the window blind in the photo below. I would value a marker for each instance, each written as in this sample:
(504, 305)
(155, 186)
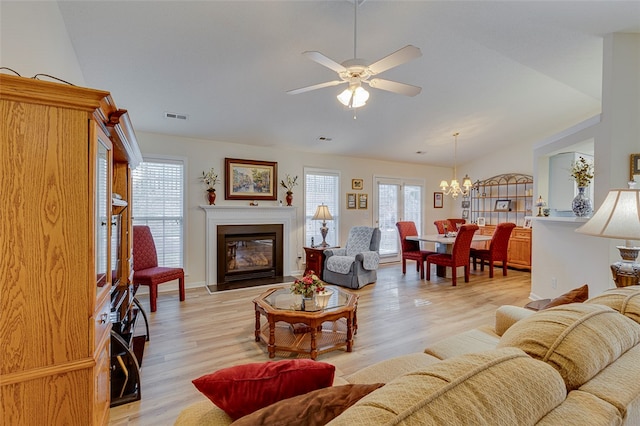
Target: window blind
(321, 187)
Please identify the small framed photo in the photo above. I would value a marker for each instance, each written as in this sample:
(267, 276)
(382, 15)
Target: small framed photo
(438, 200)
(362, 201)
(466, 204)
(351, 200)
(465, 214)
(481, 221)
(502, 206)
(635, 168)
(357, 184)
(527, 222)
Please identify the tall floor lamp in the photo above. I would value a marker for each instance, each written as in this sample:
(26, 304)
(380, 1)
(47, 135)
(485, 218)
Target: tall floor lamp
(322, 213)
(619, 217)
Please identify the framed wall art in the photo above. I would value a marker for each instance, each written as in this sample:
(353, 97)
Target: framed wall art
(527, 222)
(351, 201)
(250, 179)
(363, 201)
(357, 184)
(466, 204)
(502, 206)
(438, 200)
(634, 172)
(465, 214)
(481, 221)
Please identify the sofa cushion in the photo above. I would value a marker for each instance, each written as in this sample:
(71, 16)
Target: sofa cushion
(389, 369)
(243, 389)
(508, 315)
(202, 413)
(578, 339)
(619, 385)
(463, 343)
(313, 408)
(476, 388)
(625, 300)
(582, 409)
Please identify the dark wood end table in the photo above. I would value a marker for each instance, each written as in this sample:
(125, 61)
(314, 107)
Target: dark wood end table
(315, 259)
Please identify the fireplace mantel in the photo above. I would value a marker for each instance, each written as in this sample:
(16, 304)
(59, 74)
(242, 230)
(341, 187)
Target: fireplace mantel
(246, 215)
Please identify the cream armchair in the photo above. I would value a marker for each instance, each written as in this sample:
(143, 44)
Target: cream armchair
(356, 264)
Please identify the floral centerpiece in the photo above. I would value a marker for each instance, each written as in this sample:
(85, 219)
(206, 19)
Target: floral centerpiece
(582, 172)
(307, 285)
(288, 183)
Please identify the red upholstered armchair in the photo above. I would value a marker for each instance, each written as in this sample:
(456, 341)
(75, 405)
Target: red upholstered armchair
(497, 249)
(145, 265)
(459, 255)
(411, 249)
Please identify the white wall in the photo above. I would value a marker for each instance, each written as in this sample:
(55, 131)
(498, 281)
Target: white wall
(204, 154)
(558, 252)
(34, 39)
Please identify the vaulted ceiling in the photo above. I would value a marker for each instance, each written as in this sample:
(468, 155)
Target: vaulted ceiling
(499, 73)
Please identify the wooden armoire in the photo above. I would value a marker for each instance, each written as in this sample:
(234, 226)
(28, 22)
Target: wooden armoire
(64, 150)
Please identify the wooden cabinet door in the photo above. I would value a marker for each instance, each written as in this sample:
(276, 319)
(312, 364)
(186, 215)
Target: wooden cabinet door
(520, 248)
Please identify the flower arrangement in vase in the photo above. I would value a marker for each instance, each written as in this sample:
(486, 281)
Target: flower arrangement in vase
(308, 285)
(582, 172)
(289, 183)
(210, 179)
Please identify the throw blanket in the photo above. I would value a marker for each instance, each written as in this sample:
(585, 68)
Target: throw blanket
(358, 243)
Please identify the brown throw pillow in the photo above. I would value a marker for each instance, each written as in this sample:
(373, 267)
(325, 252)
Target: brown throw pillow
(314, 408)
(577, 295)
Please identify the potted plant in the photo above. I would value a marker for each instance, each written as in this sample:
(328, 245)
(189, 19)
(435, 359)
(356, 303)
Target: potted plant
(210, 179)
(288, 183)
(582, 172)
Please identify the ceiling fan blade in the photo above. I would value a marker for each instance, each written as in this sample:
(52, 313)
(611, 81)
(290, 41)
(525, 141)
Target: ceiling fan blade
(315, 86)
(394, 86)
(324, 61)
(398, 57)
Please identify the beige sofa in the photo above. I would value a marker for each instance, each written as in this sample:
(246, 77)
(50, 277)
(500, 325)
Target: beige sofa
(575, 364)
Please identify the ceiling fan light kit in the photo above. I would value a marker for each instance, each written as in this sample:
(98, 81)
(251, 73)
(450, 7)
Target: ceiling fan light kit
(356, 71)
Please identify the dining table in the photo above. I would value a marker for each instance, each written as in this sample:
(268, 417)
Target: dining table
(444, 244)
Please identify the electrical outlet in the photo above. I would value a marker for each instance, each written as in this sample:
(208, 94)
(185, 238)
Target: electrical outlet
(554, 282)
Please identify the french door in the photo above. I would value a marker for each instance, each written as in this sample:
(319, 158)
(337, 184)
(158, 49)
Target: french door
(397, 200)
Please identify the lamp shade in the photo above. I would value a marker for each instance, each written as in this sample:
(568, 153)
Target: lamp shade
(322, 213)
(618, 216)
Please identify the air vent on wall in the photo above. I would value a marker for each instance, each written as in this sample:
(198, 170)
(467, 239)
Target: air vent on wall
(175, 115)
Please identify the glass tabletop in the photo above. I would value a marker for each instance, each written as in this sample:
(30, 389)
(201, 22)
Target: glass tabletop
(283, 299)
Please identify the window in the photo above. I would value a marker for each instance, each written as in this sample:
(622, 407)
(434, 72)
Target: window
(321, 187)
(158, 201)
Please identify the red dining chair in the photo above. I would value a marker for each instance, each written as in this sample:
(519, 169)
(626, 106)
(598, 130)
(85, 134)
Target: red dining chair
(442, 226)
(455, 224)
(497, 250)
(145, 265)
(411, 249)
(459, 255)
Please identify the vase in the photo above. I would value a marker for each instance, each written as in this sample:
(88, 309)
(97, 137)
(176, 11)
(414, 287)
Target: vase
(211, 196)
(322, 298)
(581, 204)
(289, 198)
(308, 304)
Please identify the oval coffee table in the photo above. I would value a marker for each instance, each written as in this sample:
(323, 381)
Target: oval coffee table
(313, 331)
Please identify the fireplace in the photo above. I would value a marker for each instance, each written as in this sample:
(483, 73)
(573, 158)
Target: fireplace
(248, 252)
(217, 216)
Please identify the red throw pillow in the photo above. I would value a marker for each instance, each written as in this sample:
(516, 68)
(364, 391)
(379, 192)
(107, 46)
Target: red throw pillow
(577, 295)
(243, 389)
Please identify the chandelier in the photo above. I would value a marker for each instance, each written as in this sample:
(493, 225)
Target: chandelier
(454, 189)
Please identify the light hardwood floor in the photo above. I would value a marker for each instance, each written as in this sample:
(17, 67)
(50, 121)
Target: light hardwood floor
(396, 315)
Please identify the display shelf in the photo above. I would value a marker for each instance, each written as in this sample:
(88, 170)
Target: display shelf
(502, 198)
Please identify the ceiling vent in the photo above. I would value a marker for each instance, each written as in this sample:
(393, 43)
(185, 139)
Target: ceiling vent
(175, 115)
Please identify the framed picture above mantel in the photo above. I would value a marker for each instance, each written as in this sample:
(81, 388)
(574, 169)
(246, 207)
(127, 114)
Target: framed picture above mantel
(250, 179)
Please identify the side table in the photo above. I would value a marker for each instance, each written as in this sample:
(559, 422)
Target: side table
(315, 260)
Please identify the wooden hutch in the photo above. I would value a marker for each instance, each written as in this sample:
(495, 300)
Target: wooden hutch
(64, 150)
(505, 198)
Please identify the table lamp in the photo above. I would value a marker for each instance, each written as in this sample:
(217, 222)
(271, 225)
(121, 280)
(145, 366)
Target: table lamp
(322, 213)
(619, 217)
(540, 204)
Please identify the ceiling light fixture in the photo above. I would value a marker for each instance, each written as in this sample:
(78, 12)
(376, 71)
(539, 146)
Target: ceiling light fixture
(354, 96)
(454, 189)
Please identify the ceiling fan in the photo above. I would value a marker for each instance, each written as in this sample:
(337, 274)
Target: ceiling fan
(356, 71)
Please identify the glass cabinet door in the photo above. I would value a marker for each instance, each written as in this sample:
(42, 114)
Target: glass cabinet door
(102, 208)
